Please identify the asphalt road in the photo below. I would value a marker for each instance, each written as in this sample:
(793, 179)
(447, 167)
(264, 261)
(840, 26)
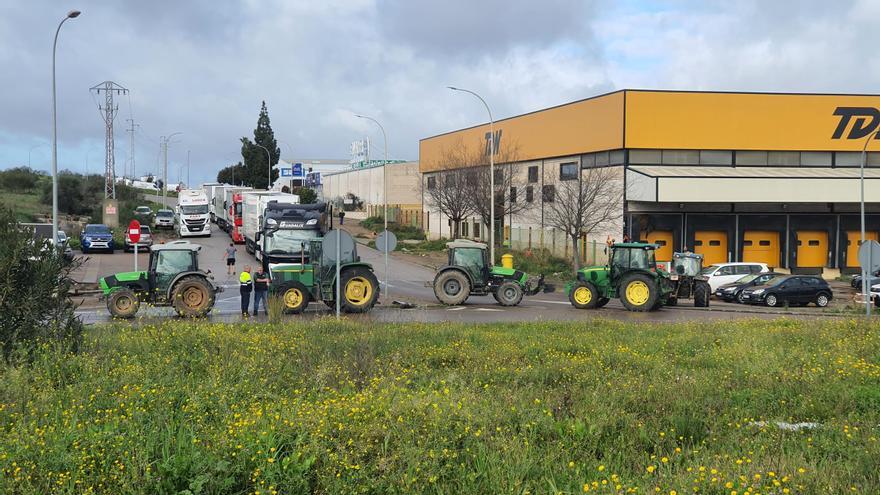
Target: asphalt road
(408, 282)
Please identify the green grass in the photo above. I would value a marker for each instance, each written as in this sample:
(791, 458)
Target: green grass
(358, 407)
(538, 261)
(26, 205)
(402, 232)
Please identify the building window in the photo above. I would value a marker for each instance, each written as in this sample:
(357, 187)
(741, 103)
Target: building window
(548, 193)
(477, 230)
(848, 159)
(530, 194)
(471, 178)
(533, 174)
(783, 158)
(432, 182)
(464, 228)
(680, 157)
(714, 157)
(568, 171)
(588, 161)
(615, 157)
(450, 181)
(512, 195)
(751, 158)
(602, 159)
(816, 158)
(645, 157)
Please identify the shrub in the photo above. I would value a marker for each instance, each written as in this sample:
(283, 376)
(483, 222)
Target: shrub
(19, 179)
(34, 285)
(538, 261)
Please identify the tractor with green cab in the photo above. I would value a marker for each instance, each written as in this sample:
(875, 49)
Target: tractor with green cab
(298, 284)
(632, 275)
(468, 273)
(172, 278)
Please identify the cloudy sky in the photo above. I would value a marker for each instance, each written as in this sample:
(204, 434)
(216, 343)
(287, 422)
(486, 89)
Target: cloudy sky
(201, 69)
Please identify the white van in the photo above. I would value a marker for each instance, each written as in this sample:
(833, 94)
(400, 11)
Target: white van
(726, 273)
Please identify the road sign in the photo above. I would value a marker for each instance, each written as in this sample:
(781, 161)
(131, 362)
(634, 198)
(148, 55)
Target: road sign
(386, 241)
(297, 169)
(869, 256)
(134, 231)
(338, 241)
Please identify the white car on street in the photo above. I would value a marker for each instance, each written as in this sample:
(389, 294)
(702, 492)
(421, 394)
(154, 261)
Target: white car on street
(726, 273)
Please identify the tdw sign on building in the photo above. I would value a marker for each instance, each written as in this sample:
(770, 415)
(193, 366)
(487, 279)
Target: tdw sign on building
(497, 138)
(862, 126)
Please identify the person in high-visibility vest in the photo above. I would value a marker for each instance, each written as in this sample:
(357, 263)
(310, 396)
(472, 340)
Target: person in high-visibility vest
(245, 287)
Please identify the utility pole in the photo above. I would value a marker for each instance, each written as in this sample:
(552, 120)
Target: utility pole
(187, 170)
(164, 141)
(130, 130)
(108, 113)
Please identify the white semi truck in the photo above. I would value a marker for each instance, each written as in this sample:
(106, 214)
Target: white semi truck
(192, 213)
(227, 210)
(210, 189)
(253, 206)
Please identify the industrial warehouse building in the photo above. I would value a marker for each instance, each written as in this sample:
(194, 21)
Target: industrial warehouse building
(762, 177)
(360, 190)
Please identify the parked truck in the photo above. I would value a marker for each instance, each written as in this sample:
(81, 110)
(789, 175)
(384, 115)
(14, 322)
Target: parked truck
(226, 209)
(233, 213)
(252, 207)
(290, 228)
(210, 189)
(192, 213)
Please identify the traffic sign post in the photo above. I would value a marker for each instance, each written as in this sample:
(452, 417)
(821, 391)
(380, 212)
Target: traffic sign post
(869, 260)
(134, 234)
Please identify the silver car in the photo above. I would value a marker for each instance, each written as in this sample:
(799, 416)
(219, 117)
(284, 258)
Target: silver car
(164, 219)
(145, 241)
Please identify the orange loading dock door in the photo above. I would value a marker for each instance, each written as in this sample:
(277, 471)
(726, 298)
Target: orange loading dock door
(664, 239)
(761, 246)
(812, 248)
(712, 245)
(853, 238)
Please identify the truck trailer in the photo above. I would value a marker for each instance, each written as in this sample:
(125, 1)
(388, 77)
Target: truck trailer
(233, 208)
(209, 188)
(192, 213)
(253, 205)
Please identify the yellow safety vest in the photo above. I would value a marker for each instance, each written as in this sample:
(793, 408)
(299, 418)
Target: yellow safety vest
(245, 280)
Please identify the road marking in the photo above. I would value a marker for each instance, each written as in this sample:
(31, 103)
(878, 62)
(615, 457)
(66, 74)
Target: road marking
(489, 309)
(456, 308)
(551, 302)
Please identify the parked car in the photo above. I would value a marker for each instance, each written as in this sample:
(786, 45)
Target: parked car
(144, 242)
(726, 273)
(796, 290)
(856, 281)
(733, 291)
(64, 243)
(96, 236)
(164, 219)
(144, 214)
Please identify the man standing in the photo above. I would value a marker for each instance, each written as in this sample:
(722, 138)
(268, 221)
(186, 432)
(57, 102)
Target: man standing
(245, 286)
(261, 289)
(341, 216)
(230, 259)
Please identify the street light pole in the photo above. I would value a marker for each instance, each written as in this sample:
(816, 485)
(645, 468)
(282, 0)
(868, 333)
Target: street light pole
(269, 155)
(491, 173)
(73, 14)
(865, 271)
(384, 194)
(165, 140)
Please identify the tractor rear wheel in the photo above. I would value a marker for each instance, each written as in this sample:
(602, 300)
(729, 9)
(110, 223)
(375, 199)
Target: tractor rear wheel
(452, 287)
(294, 296)
(701, 294)
(509, 293)
(123, 303)
(192, 297)
(584, 295)
(638, 292)
(360, 289)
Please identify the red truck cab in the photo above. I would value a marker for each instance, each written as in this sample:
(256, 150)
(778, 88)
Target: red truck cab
(235, 213)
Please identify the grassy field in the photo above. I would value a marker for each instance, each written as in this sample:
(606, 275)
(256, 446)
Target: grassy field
(26, 205)
(320, 407)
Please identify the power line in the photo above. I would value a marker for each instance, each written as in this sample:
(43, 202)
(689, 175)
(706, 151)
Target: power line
(131, 144)
(108, 112)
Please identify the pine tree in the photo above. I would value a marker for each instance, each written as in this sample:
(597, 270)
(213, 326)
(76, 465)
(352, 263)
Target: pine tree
(256, 167)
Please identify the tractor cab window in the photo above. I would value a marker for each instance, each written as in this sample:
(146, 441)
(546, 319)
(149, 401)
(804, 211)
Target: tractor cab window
(634, 259)
(469, 257)
(168, 263)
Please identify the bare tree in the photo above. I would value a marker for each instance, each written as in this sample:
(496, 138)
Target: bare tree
(447, 191)
(505, 180)
(585, 205)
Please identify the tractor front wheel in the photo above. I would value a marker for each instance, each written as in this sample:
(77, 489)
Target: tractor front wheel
(509, 293)
(192, 297)
(295, 297)
(360, 289)
(702, 292)
(638, 292)
(584, 295)
(452, 287)
(123, 303)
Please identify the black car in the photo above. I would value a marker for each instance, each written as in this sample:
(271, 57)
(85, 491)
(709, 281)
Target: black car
(856, 281)
(796, 290)
(733, 291)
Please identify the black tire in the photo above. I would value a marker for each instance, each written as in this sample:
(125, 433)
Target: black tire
(295, 297)
(672, 300)
(584, 295)
(740, 297)
(360, 290)
(452, 287)
(771, 300)
(123, 303)
(192, 297)
(509, 293)
(638, 292)
(702, 293)
(602, 302)
(823, 299)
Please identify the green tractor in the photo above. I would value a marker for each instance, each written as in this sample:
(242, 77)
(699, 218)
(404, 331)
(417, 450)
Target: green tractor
(468, 274)
(632, 275)
(686, 280)
(172, 278)
(297, 284)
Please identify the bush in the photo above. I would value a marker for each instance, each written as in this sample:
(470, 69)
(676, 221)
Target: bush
(403, 232)
(19, 179)
(34, 283)
(538, 261)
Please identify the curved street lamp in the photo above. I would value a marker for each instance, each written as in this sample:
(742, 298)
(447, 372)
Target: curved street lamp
(73, 14)
(384, 191)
